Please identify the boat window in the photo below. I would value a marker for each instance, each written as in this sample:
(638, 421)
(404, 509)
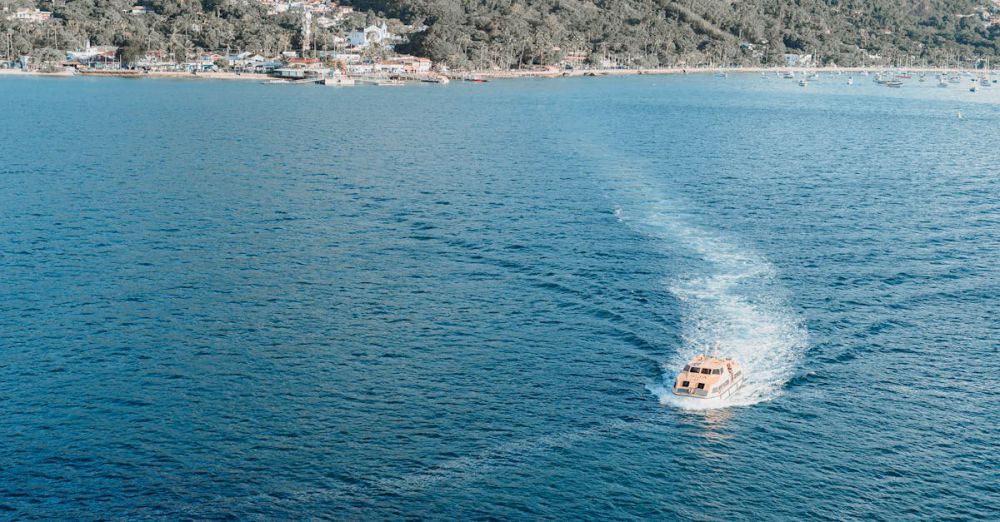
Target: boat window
(717, 371)
(701, 386)
(706, 371)
(687, 368)
(686, 384)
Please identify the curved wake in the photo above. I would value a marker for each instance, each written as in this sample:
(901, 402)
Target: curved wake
(730, 299)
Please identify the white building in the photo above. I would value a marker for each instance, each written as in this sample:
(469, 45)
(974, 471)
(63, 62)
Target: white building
(373, 34)
(30, 15)
(798, 60)
(360, 68)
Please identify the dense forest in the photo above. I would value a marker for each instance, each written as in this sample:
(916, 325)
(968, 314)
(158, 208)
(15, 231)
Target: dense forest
(518, 33)
(509, 33)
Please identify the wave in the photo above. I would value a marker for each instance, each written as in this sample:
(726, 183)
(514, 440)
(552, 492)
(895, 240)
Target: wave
(731, 303)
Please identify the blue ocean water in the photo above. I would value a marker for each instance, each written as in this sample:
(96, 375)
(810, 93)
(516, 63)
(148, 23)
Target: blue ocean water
(268, 302)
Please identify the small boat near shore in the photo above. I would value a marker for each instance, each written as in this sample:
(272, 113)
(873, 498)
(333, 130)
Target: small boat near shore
(709, 378)
(441, 79)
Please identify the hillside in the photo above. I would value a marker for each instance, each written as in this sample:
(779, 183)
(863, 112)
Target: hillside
(509, 34)
(663, 32)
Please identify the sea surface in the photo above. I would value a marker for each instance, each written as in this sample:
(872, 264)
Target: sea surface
(237, 300)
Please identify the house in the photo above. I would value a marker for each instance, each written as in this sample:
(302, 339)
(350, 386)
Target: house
(798, 60)
(391, 67)
(360, 68)
(373, 34)
(267, 67)
(97, 54)
(245, 60)
(302, 62)
(298, 72)
(30, 15)
(574, 59)
(407, 64)
(336, 56)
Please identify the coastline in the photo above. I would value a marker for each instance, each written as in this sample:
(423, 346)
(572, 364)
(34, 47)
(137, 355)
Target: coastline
(705, 70)
(514, 74)
(154, 74)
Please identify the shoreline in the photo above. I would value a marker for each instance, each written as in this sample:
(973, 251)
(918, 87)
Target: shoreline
(710, 70)
(515, 74)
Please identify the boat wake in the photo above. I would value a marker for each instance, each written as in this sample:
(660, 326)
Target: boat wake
(732, 305)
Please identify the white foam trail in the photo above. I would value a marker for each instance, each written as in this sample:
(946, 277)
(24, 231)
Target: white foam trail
(732, 300)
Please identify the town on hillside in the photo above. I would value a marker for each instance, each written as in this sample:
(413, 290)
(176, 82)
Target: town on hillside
(323, 41)
(350, 52)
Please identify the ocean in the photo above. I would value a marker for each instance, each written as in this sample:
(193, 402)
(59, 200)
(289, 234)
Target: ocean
(247, 301)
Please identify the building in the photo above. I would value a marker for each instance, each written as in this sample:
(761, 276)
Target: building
(303, 62)
(30, 15)
(798, 60)
(356, 69)
(373, 34)
(407, 64)
(97, 54)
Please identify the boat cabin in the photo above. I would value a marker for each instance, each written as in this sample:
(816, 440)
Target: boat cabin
(707, 377)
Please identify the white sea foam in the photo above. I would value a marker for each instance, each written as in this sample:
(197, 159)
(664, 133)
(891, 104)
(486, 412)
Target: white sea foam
(731, 300)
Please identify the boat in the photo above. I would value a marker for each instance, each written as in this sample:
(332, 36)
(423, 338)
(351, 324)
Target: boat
(474, 79)
(850, 81)
(803, 83)
(942, 83)
(892, 83)
(974, 88)
(789, 75)
(389, 83)
(709, 378)
(442, 79)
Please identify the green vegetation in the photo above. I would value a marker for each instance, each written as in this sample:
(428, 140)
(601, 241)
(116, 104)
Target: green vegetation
(512, 33)
(519, 33)
(182, 28)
